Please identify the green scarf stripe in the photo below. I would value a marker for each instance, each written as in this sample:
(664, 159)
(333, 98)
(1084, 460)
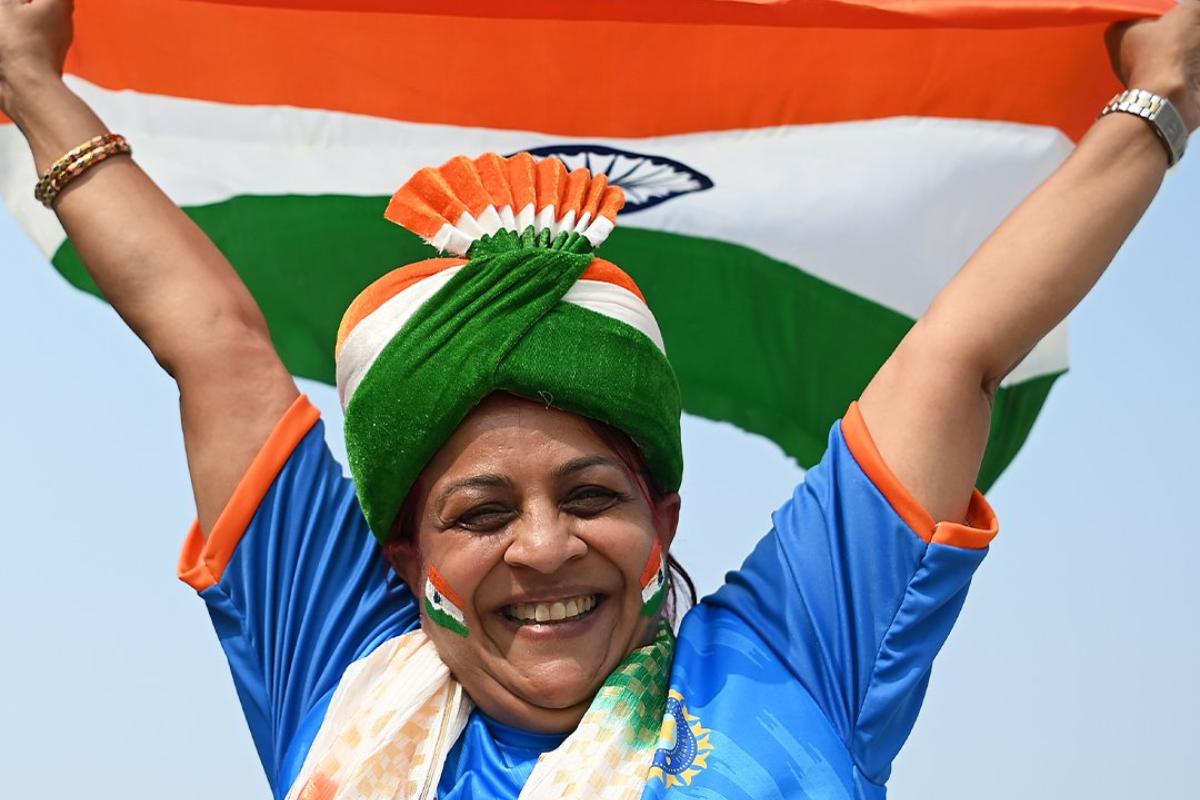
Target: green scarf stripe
(755, 341)
(637, 689)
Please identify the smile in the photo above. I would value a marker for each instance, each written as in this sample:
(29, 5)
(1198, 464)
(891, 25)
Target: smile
(566, 610)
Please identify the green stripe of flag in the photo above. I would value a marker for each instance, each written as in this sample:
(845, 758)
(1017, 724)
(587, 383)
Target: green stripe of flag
(755, 342)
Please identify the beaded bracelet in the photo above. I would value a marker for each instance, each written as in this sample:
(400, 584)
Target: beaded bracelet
(77, 162)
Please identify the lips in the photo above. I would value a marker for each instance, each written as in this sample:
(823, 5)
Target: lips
(566, 609)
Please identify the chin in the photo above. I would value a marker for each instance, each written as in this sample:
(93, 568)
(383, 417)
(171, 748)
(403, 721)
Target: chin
(546, 706)
(556, 685)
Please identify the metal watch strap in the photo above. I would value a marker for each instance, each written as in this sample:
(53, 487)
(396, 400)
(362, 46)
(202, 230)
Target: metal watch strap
(1160, 113)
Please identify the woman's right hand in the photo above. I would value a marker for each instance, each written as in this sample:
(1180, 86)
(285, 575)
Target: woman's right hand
(34, 38)
(1163, 56)
(166, 279)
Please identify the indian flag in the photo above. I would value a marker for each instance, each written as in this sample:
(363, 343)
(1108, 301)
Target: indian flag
(442, 604)
(802, 177)
(654, 582)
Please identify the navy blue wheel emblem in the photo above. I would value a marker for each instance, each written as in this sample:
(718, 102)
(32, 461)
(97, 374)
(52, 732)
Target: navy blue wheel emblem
(684, 745)
(647, 179)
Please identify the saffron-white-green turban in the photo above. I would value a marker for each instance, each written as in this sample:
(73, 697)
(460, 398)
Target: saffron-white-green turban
(523, 307)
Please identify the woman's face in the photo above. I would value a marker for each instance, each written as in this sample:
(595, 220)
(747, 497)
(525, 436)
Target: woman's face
(536, 529)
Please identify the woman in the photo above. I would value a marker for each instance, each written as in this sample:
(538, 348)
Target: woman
(801, 677)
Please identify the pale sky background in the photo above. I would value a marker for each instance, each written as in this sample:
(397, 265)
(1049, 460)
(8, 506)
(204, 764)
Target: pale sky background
(1071, 672)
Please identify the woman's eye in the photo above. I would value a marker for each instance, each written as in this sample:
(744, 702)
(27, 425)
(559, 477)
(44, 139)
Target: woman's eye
(484, 519)
(590, 500)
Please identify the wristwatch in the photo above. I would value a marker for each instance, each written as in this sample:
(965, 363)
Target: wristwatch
(1160, 113)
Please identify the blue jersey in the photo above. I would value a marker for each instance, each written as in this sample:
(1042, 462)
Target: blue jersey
(801, 677)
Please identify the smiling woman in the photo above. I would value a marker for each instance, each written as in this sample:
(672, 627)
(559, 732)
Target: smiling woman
(512, 429)
(480, 610)
(540, 536)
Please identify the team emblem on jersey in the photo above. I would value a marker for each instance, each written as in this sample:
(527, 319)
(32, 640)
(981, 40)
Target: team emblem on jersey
(442, 604)
(654, 582)
(683, 745)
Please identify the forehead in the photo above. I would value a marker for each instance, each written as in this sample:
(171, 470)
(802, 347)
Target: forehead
(506, 431)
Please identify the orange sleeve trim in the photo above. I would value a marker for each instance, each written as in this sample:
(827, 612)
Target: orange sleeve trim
(976, 533)
(202, 563)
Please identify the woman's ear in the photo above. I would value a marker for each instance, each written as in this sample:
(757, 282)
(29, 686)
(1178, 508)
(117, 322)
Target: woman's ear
(666, 518)
(403, 551)
(405, 557)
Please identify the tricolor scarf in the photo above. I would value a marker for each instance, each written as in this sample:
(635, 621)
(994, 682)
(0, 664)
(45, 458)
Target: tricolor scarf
(397, 713)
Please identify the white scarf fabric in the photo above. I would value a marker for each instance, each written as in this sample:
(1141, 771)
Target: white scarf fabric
(397, 713)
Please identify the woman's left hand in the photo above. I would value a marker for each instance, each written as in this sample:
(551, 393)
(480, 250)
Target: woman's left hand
(929, 408)
(1162, 56)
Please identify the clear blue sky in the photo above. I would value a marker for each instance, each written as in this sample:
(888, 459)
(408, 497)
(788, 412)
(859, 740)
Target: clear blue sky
(1070, 672)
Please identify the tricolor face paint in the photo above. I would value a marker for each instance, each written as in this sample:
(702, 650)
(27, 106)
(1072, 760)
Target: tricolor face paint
(442, 604)
(654, 582)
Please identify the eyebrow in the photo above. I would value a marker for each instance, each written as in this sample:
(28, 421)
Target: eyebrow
(487, 480)
(585, 462)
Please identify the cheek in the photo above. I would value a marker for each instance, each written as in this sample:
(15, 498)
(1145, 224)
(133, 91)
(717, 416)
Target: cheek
(452, 567)
(636, 550)
(631, 545)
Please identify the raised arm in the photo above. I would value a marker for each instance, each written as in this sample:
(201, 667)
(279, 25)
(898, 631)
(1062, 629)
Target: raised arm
(165, 278)
(929, 407)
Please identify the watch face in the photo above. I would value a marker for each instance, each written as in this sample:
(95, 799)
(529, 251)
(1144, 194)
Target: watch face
(1160, 114)
(1174, 131)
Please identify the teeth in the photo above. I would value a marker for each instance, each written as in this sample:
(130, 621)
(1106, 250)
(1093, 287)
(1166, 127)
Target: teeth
(552, 612)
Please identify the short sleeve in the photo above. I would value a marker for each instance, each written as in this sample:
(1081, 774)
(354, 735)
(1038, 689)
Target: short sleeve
(294, 582)
(856, 589)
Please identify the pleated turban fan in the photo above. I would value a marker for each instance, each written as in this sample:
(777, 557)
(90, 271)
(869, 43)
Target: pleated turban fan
(523, 307)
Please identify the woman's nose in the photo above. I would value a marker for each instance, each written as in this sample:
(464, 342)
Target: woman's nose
(544, 540)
